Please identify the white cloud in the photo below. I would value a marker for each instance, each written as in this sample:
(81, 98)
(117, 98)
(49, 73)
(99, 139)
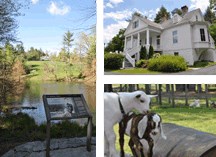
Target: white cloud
(116, 1)
(58, 8)
(109, 5)
(202, 4)
(150, 14)
(113, 3)
(119, 15)
(111, 30)
(34, 1)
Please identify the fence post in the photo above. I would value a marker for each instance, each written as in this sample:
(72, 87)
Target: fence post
(172, 95)
(206, 93)
(159, 94)
(186, 95)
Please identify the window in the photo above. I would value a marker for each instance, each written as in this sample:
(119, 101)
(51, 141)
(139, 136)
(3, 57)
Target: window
(176, 53)
(135, 24)
(202, 34)
(196, 18)
(175, 37)
(158, 40)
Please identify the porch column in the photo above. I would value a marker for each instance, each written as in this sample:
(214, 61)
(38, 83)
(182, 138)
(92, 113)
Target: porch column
(131, 41)
(147, 40)
(125, 44)
(138, 44)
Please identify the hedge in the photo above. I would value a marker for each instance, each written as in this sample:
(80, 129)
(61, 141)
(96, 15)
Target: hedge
(113, 61)
(167, 63)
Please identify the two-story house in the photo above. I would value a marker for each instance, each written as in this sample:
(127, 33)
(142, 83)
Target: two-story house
(186, 35)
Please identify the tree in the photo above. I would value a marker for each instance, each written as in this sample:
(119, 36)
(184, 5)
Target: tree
(143, 53)
(176, 11)
(209, 15)
(151, 52)
(212, 31)
(117, 42)
(9, 10)
(67, 41)
(162, 13)
(212, 4)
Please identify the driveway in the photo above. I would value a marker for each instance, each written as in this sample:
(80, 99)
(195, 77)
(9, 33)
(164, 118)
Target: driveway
(211, 70)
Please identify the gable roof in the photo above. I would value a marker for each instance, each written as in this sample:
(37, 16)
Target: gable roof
(169, 23)
(151, 23)
(186, 18)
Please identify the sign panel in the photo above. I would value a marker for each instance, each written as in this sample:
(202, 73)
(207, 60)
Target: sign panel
(65, 106)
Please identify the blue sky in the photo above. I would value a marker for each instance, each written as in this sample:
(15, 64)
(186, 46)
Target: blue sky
(46, 21)
(117, 11)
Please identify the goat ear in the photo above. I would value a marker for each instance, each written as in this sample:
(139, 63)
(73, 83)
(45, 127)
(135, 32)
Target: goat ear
(162, 133)
(142, 126)
(138, 96)
(152, 96)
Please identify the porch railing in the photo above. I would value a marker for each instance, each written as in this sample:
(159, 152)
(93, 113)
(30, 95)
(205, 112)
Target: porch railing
(130, 59)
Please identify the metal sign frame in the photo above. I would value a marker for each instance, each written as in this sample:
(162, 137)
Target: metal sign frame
(74, 107)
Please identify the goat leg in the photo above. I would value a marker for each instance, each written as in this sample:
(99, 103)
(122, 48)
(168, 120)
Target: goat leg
(138, 145)
(151, 145)
(121, 138)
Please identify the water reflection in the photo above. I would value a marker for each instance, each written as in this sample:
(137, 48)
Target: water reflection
(32, 97)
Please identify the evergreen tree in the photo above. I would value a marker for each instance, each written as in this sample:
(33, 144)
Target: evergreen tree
(143, 53)
(162, 13)
(151, 52)
(67, 41)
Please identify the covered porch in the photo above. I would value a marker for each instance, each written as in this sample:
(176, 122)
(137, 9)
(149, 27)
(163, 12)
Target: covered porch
(146, 37)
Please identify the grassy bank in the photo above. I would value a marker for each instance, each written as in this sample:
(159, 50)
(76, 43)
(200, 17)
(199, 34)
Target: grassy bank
(20, 128)
(197, 118)
(49, 70)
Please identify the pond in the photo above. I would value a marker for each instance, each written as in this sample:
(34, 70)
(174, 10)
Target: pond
(32, 97)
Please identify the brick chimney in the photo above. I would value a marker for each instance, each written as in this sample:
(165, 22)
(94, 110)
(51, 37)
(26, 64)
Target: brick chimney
(184, 10)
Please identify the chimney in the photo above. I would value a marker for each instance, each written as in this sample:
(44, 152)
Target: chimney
(184, 10)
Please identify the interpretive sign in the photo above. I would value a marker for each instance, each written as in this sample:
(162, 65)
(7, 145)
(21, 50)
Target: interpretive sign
(66, 106)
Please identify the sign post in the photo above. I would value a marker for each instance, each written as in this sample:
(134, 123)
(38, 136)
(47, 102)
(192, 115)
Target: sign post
(65, 107)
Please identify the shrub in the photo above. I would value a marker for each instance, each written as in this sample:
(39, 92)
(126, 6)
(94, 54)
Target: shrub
(143, 53)
(113, 61)
(151, 52)
(167, 63)
(142, 63)
(200, 64)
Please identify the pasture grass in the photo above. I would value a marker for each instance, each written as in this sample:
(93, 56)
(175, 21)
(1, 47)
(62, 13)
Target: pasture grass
(202, 119)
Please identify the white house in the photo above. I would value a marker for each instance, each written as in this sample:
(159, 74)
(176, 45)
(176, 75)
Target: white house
(185, 35)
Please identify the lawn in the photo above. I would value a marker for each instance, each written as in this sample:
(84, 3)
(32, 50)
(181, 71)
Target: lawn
(37, 70)
(134, 71)
(197, 118)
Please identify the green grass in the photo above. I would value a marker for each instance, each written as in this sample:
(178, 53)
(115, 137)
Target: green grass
(197, 118)
(20, 128)
(135, 71)
(37, 70)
